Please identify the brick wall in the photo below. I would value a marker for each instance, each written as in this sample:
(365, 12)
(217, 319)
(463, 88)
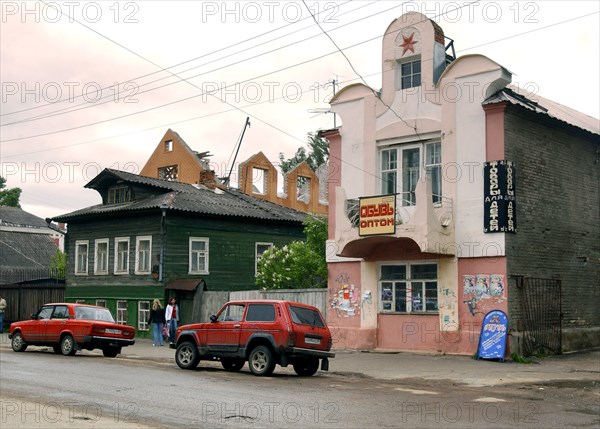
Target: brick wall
(558, 219)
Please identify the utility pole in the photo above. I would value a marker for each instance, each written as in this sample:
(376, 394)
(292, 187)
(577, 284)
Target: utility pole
(246, 125)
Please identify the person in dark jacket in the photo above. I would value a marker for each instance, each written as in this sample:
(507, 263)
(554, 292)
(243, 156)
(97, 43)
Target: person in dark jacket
(157, 319)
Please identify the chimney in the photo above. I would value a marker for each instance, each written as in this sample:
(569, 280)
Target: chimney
(207, 178)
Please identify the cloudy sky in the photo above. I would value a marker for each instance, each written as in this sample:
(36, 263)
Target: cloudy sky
(91, 85)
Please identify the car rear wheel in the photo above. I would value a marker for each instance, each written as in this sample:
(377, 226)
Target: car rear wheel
(306, 367)
(261, 361)
(18, 345)
(232, 364)
(110, 352)
(187, 356)
(67, 345)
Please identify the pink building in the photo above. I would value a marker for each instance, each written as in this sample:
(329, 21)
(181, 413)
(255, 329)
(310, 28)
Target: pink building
(432, 174)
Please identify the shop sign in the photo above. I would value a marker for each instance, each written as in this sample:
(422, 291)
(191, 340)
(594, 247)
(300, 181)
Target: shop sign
(377, 215)
(499, 199)
(492, 340)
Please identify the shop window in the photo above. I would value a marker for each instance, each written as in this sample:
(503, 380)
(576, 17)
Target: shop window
(408, 288)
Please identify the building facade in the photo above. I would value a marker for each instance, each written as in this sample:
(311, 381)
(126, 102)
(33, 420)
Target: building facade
(454, 194)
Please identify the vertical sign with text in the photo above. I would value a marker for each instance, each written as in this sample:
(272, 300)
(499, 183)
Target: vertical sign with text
(499, 198)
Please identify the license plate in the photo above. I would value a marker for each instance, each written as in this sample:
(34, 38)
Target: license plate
(113, 331)
(312, 341)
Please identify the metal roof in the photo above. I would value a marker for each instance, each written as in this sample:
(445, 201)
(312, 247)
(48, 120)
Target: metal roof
(541, 105)
(185, 197)
(14, 216)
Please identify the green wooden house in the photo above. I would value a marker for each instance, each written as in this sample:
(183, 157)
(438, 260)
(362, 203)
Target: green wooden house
(153, 238)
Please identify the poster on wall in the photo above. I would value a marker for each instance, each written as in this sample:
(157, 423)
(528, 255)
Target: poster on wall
(499, 198)
(492, 340)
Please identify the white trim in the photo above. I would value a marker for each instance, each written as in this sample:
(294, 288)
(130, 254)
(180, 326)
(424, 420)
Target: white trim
(137, 254)
(77, 271)
(96, 243)
(116, 263)
(206, 253)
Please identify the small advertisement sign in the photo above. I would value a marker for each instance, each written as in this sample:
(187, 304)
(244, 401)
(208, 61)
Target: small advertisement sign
(492, 340)
(377, 215)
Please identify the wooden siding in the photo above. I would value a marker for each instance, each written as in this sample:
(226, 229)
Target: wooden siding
(24, 300)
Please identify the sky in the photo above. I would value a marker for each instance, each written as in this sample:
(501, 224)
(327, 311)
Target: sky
(94, 85)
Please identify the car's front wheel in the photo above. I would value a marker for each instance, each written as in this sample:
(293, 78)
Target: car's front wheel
(232, 364)
(261, 361)
(18, 344)
(306, 367)
(110, 352)
(67, 345)
(187, 356)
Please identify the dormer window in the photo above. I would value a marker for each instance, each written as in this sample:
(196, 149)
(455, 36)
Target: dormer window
(408, 74)
(168, 145)
(119, 195)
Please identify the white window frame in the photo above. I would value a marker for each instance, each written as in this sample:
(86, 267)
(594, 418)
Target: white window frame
(138, 255)
(97, 269)
(79, 270)
(399, 75)
(143, 314)
(124, 270)
(122, 312)
(194, 255)
(411, 300)
(407, 200)
(257, 256)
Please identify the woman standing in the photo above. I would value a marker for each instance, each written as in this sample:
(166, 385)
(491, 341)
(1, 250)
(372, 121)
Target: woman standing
(172, 317)
(157, 318)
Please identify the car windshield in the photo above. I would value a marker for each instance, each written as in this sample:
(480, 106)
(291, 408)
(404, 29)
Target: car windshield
(93, 313)
(306, 316)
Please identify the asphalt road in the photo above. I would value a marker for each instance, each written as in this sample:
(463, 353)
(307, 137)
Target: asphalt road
(42, 389)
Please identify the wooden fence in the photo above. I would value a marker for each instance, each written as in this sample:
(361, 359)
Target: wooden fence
(213, 301)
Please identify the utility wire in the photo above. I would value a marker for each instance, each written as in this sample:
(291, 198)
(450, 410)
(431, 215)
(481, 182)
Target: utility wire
(110, 97)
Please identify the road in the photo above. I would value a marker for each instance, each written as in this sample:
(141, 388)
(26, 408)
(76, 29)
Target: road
(42, 389)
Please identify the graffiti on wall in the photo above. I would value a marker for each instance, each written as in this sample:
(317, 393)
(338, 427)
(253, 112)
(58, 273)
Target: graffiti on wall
(481, 292)
(345, 300)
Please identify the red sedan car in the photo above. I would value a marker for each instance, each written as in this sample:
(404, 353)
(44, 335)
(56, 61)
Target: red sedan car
(69, 327)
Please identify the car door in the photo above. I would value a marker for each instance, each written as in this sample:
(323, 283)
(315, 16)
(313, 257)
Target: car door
(260, 319)
(56, 324)
(36, 330)
(223, 335)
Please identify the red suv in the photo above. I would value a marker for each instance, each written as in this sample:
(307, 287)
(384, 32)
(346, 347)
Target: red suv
(262, 332)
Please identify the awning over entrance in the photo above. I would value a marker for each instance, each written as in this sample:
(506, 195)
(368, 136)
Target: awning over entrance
(186, 284)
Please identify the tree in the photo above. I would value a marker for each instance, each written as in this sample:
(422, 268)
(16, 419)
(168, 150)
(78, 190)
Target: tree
(318, 155)
(10, 196)
(59, 264)
(299, 264)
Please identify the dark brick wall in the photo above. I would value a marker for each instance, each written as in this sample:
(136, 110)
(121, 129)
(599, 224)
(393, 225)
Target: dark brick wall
(558, 214)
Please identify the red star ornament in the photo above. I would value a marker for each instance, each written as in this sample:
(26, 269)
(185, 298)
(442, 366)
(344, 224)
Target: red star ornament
(408, 44)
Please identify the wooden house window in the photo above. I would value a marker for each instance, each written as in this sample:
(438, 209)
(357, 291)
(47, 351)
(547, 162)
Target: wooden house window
(260, 248)
(119, 195)
(101, 302)
(122, 312)
(81, 257)
(143, 247)
(198, 263)
(101, 257)
(168, 145)
(143, 314)
(122, 255)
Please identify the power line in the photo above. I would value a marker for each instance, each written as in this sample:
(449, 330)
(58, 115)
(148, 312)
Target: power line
(110, 97)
